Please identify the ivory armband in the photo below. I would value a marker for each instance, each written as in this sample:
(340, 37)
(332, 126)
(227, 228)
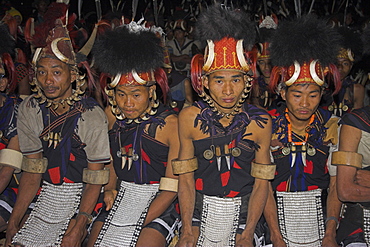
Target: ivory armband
(35, 165)
(12, 158)
(184, 166)
(95, 176)
(263, 171)
(169, 184)
(344, 158)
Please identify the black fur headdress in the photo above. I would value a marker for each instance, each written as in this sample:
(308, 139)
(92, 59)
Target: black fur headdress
(351, 40)
(304, 51)
(120, 51)
(218, 22)
(302, 40)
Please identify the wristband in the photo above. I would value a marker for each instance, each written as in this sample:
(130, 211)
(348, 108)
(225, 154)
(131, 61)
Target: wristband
(88, 216)
(332, 218)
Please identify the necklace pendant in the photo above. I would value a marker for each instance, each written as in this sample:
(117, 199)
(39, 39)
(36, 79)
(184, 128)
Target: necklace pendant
(135, 157)
(285, 151)
(345, 107)
(311, 151)
(208, 154)
(236, 152)
(46, 137)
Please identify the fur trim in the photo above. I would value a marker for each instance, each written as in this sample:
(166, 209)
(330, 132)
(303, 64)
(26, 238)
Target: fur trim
(351, 40)
(302, 40)
(265, 35)
(217, 22)
(121, 51)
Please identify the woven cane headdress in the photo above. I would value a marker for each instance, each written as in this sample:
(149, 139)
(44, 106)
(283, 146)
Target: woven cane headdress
(131, 55)
(304, 51)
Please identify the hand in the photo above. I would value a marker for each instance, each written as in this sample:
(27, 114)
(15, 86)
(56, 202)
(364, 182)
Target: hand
(186, 241)
(278, 241)
(109, 197)
(244, 242)
(10, 232)
(329, 241)
(74, 237)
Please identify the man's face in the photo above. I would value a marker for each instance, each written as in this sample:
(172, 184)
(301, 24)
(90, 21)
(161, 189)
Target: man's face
(225, 87)
(3, 83)
(344, 67)
(133, 100)
(302, 100)
(179, 34)
(55, 78)
(42, 7)
(264, 64)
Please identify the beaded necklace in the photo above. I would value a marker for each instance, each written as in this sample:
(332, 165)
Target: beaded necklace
(294, 147)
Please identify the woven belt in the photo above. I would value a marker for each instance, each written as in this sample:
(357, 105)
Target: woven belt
(124, 222)
(219, 221)
(301, 217)
(49, 220)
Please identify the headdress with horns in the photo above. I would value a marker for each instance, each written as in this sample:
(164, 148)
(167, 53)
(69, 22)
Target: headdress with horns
(229, 35)
(131, 55)
(59, 46)
(304, 51)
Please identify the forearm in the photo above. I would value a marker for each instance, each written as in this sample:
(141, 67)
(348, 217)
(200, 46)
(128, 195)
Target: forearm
(6, 173)
(159, 205)
(332, 209)
(347, 189)
(186, 196)
(89, 197)
(270, 214)
(112, 183)
(28, 187)
(88, 201)
(256, 205)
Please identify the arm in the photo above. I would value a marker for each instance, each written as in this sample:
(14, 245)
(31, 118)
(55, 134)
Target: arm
(258, 198)
(347, 188)
(188, 93)
(358, 96)
(332, 210)
(28, 187)
(186, 191)
(6, 172)
(76, 230)
(110, 189)
(168, 135)
(270, 214)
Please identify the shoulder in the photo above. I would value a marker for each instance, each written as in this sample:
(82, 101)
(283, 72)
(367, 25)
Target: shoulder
(257, 115)
(171, 119)
(94, 116)
(29, 104)
(359, 118)
(254, 110)
(189, 112)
